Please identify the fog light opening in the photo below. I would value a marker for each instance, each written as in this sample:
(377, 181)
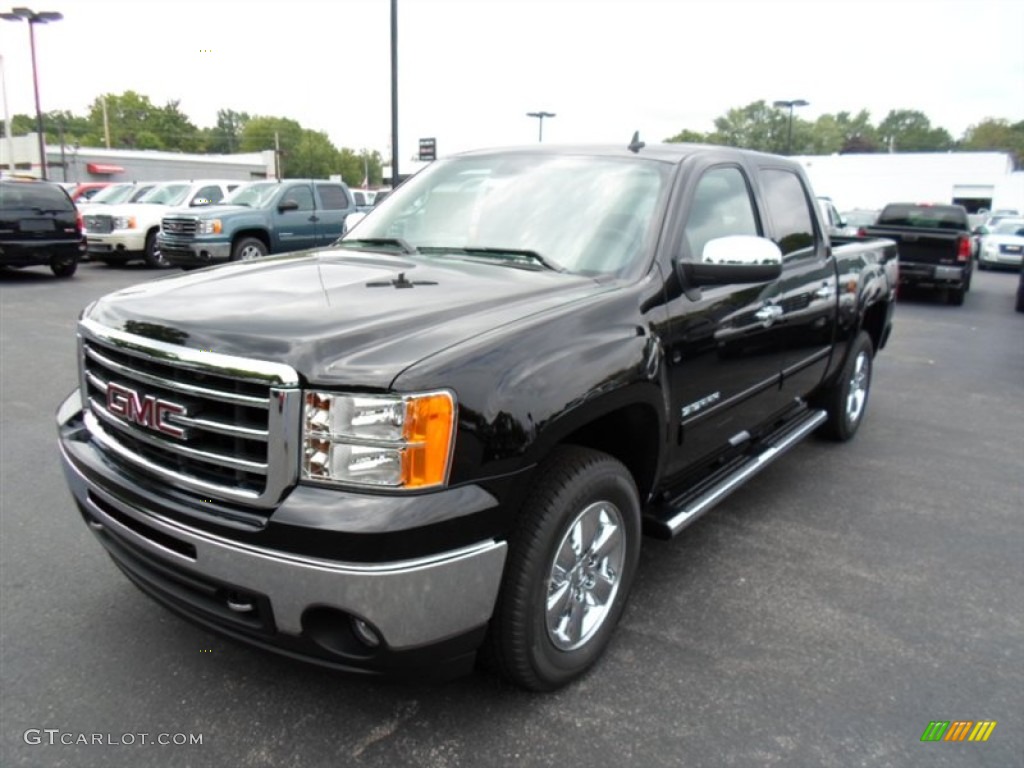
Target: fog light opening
(365, 633)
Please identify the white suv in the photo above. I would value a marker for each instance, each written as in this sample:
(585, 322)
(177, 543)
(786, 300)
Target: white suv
(126, 232)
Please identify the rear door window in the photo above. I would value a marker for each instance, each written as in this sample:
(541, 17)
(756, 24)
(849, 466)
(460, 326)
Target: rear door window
(333, 197)
(790, 209)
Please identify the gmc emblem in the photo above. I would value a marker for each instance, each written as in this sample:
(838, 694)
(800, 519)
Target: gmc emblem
(144, 410)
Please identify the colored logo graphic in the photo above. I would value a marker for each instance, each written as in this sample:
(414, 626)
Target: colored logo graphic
(958, 730)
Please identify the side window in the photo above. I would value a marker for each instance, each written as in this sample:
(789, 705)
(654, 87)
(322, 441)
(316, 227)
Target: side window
(333, 197)
(721, 207)
(357, 196)
(207, 195)
(789, 209)
(301, 194)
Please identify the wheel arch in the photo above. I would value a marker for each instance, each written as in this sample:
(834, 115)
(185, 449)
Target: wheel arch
(628, 429)
(259, 234)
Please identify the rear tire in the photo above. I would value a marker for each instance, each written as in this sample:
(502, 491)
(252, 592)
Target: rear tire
(955, 296)
(846, 400)
(63, 266)
(570, 568)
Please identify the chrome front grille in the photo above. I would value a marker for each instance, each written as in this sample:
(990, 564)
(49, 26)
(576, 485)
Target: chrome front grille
(98, 223)
(179, 225)
(217, 425)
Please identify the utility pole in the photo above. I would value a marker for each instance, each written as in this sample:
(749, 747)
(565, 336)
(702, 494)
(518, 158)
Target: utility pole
(394, 94)
(277, 155)
(7, 120)
(106, 123)
(63, 158)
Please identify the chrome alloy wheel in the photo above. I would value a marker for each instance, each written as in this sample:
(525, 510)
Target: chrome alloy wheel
(857, 393)
(249, 252)
(585, 575)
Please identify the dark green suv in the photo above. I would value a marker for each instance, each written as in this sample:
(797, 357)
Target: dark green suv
(39, 226)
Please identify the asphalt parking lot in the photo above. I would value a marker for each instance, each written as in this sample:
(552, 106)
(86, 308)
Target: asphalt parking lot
(822, 616)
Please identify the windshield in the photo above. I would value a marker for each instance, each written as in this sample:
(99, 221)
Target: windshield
(167, 194)
(1010, 227)
(253, 195)
(139, 192)
(587, 214)
(115, 193)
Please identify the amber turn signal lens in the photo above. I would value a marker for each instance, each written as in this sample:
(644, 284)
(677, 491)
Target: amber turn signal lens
(429, 426)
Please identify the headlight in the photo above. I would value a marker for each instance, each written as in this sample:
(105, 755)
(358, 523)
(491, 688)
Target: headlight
(208, 227)
(390, 441)
(124, 222)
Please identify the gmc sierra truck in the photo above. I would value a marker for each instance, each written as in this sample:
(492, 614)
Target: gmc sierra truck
(263, 217)
(447, 432)
(934, 243)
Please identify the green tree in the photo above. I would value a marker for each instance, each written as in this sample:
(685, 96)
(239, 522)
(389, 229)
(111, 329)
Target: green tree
(858, 132)
(314, 156)
(258, 135)
(687, 136)
(996, 135)
(304, 152)
(226, 136)
(907, 130)
(755, 126)
(174, 129)
(127, 117)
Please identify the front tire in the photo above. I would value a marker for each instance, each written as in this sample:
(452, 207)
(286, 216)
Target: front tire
(152, 256)
(571, 565)
(248, 248)
(846, 400)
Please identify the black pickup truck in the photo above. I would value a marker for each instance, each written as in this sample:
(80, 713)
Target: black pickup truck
(934, 243)
(448, 431)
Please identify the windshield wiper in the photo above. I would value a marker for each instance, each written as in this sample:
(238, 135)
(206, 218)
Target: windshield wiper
(517, 254)
(374, 243)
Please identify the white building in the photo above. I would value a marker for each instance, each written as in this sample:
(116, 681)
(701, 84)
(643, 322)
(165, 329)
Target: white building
(97, 164)
(976, 180)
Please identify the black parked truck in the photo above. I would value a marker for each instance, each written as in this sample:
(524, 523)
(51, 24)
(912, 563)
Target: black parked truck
(934, 243)
(447, 432)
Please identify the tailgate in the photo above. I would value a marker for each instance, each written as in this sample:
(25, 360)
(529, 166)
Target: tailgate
(923, 246)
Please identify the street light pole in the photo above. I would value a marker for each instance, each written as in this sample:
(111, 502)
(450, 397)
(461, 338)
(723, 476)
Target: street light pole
(789, 131)
(540, 122)
(394, 94)
(33, 18)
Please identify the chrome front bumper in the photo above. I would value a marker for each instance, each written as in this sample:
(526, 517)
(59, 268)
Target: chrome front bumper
(411, 603)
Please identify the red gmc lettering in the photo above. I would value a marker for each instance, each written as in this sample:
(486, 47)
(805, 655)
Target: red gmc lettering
(147, 411)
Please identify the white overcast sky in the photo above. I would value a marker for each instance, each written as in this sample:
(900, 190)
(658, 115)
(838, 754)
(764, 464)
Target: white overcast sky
(469, 70)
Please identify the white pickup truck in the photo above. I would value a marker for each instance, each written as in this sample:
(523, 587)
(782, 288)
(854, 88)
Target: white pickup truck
(127, 232)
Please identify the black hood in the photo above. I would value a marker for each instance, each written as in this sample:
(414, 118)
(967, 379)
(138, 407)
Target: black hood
(337, 317)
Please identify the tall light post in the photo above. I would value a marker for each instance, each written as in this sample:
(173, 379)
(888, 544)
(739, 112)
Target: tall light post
(394, 94)
(540, 122)
(789, 132)
(33, 18)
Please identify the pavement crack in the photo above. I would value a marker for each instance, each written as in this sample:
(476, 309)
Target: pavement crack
(387, 729)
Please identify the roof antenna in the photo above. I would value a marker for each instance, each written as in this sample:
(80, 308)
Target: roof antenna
(635, 145)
